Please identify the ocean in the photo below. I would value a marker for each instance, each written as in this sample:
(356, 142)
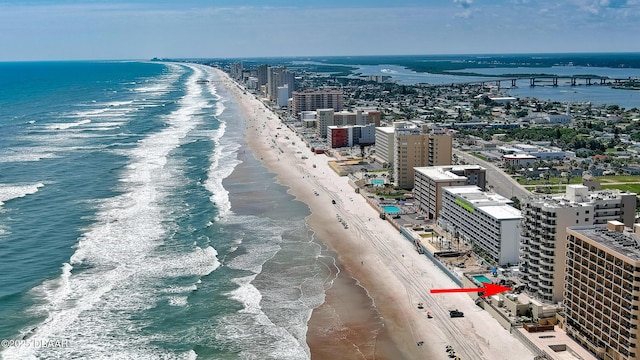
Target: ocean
(134, 222)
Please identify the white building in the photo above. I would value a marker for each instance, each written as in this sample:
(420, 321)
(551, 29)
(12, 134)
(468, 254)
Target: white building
(283, 95)
(519, 159)
(385, 144)
(485, 219)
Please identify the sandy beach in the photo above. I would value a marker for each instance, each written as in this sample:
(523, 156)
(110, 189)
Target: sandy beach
(370, 310)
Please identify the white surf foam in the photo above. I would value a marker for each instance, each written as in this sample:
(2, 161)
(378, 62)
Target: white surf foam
(10, 192)
(65, 126)
(119, 260)
(224, 160)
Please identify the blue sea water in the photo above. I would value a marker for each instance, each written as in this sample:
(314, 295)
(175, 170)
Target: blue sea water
(135, 224)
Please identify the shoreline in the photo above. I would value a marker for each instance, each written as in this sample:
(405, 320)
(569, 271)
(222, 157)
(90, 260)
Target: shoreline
(380, 263)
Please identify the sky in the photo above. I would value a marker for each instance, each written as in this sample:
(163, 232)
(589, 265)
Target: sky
(120, 29)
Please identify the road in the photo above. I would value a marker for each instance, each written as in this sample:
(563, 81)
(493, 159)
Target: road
(502, 183)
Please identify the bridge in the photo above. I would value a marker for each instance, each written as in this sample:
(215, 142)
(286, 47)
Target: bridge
(552, 80)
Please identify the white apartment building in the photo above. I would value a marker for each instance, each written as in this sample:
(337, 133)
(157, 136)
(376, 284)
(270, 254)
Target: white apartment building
(544, 235)
(283, 95)
(484, 219)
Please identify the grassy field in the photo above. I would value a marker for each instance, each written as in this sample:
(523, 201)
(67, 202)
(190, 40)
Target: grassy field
(553, 180)
(619, 178)
(629, 183)
(634, 188)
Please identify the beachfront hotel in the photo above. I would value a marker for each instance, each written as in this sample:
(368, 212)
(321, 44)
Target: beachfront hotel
(544, 236)
(486, 220)
(429, 182)
(602, 289)
(417, 146)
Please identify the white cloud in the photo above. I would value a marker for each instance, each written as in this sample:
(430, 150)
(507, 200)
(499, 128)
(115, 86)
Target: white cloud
(464, 3)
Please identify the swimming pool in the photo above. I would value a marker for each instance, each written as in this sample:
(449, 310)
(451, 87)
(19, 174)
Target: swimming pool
(482, 279)
(391, 209)
(377, 182)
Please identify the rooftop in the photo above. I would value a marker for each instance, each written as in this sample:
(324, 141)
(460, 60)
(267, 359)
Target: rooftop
(446, 172)
(492, 204)
(626, 242)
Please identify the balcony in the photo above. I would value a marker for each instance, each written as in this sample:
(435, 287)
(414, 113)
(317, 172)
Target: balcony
(548, 248)
(545, 285)
(547, 263)
(546, 276)
(548, 255)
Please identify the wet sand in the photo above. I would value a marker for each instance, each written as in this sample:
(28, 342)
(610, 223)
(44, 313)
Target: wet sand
(374, 316)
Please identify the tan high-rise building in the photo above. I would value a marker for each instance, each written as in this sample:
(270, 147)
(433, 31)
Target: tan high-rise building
(416, 147)
(602, 289)
(544, 236)
(312, 100)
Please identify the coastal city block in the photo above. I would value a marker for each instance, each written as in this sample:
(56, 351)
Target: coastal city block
(539, 196)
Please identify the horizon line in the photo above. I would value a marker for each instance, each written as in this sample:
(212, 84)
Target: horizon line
(333, 56)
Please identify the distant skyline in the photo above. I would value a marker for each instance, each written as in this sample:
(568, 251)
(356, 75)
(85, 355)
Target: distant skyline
(120, 30)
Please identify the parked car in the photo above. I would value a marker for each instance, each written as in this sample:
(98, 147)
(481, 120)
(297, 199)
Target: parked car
(455, 313)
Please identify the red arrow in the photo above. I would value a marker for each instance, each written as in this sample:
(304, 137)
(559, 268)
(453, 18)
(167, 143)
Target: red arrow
(488, 289)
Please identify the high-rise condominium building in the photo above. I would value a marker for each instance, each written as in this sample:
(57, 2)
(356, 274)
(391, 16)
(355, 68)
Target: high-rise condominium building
(262, 75)
(544, 237)
(415, 147)
(312, 100)
(602, 289)
(277, 77)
